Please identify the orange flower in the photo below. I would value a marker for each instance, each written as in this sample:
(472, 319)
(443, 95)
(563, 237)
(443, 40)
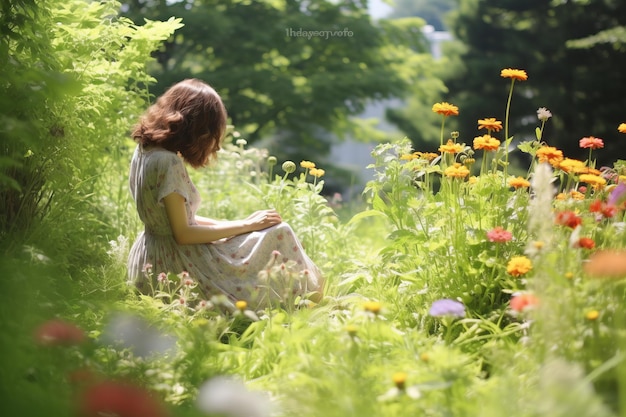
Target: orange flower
(622, 128)
(486, 142)
(519, 182)
(591, 142)
(456, 171)
(568, 218)
(585, 243)
(490, 124)
(446, 109)
(607, 264)
(550, 154)
(451, 147)
(595, 181)
(573, 166)
(307, 164)
(519, 265)
(515, 74)
(523, 301)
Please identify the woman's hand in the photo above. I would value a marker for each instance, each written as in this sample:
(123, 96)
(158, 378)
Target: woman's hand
(263, 219)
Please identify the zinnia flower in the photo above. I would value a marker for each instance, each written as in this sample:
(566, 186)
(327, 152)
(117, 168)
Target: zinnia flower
(446, 109)
(543, 114)
(515, 74)
(622, 128)
(522, 301)
(486, 142)
(447, 307)
(499, 235)
(518, 266)
(591, 143)
(59, 332)
(574, 166)
(585, 243)
(456, 171)
(120, 399)
(595, 181)
(606, 264)
(550, 154)
(568, 218)
(519, 182)
(490, 124)
(451, 147)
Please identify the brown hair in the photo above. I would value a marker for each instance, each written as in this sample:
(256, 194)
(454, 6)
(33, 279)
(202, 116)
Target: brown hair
(189, 118)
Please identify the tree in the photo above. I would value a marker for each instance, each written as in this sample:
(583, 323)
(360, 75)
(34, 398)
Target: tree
(433, 12)
(584, 88)
(298, 70)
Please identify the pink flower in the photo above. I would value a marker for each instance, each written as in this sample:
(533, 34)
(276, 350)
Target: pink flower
(499, 235)
(522, 301)
(120, 399)
(59, 332)
(591, 142)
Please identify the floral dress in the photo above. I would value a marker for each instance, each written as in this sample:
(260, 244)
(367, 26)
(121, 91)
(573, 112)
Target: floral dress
(258, 267)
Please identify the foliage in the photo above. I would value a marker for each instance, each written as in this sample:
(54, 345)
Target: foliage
(434, 13)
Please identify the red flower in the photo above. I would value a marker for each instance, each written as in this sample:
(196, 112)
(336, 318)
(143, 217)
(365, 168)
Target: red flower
(59, 332)
(607, 210)
(120, 399)
(595, 206)
(520, 302)
(499, 235)
(586, 243)
(568, 218)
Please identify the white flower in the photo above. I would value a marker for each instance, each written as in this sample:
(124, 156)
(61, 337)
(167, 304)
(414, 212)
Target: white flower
(226, 396)
(543, 114)
(128, 331)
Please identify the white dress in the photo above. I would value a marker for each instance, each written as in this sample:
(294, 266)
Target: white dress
(258, 267)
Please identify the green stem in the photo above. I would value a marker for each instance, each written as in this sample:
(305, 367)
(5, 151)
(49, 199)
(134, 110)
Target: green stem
(443, 121)
(506, 129)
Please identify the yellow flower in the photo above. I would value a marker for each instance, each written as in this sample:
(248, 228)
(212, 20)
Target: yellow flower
(560, 197)
(241, 305)
(516, 74)
(446, 109)
(399, 378)
(372, 306)
(472, 180)
(519, 182)
(408, 156)
(592, 315)
(429, 156)
(307, 164)
(550, 154)
(317, 172)
(490, 124)
(486, 142)
(456, 171)
(518, 266)
(352, 330)
(538, 244)
(572, 166)
(622, 128)
(569, 275)
(576, 195)
(451, 147)
(595, 181)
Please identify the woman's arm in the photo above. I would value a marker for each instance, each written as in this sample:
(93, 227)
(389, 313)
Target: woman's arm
(205, 221)
(186, 234)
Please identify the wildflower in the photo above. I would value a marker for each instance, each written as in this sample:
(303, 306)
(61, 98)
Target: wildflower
(120, 399)
(241, 305)
(569, 275)
(147, 268)
(445, 109)
(424, 357)
(585, 243)
(573, 166)
(576, 195)
(591, 143)
(518, 266)
(622, 128)
(429, 156)
(486, 142)
(499, 235)
(132, 332)
(603, 209)
(538, 244)
(307, 164)
(57, 332)
(447, 307)
(451, 147)
(399, 378)
(317, 172)
(271, 161)
(606, 264)
(523, 301)
(241, 142)
(543, 114)
(229, 397)
(289, 167)
(592, 315)
(595, 181)
(617, 194)
(372, 307)
(400, 389)
(568, 218)
(519, 182)
(550, 154)
(352, 330)
(491, 124)
(408, 156)
(162, 278)
(456, 171)
(515, 74)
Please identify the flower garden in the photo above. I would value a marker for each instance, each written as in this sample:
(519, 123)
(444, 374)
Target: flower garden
(466, 286)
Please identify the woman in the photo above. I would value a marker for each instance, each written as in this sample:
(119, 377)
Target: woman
(187, 124)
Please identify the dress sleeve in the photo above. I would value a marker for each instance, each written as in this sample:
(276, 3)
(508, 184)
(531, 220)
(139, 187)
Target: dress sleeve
(172, 177)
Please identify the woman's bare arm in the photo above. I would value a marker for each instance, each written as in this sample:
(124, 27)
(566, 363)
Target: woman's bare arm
(186, 234)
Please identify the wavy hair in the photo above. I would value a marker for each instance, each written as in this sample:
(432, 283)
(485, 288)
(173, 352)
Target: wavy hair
(189, 118)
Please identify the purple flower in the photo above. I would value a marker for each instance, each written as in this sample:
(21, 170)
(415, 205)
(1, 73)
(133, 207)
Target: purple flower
(617, 194)
(447, 307)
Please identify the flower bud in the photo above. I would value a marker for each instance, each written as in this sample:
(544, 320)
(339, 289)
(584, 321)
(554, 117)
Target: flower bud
(289, 167)
(271, 161)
